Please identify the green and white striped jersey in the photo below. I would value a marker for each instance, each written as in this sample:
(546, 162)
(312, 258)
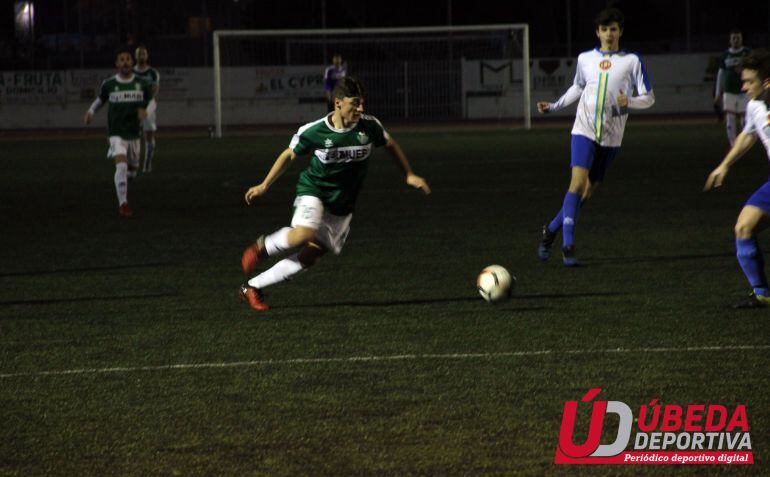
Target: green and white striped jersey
(124, 98)
(340, 160)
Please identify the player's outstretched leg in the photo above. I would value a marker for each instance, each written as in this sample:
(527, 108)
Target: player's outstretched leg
(252, 255)
(571, 210)
(121, 188)
(583, 152)
(548, 235)
(749, 254)
(547, 238)
(286, 269)
(251, 291)
(254, 297)
(753, 265)
(265, 246)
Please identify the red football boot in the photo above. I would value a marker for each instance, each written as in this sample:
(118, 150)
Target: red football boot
(252, 256)
(254, 297)
(125, 211)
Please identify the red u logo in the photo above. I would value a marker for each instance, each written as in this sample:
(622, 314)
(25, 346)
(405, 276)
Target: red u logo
(567, 431)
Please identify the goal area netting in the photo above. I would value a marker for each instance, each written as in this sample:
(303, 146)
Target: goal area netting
(411, 74)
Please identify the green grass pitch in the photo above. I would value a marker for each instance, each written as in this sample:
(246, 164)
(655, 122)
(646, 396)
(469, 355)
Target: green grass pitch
(455, 386)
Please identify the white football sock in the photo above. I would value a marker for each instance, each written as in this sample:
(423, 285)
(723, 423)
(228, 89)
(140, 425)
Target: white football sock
(121, 182)
(280, 272)
(277, 242)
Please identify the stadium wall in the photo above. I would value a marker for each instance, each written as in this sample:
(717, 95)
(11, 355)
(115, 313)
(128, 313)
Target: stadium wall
(271, 95)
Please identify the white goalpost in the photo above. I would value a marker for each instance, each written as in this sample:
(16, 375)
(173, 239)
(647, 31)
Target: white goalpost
(440, 73)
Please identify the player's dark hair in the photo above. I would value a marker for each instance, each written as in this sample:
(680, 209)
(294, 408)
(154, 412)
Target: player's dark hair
(348, 87)
(609, 15)
(759, 61)
(123, 49)
(736, 30)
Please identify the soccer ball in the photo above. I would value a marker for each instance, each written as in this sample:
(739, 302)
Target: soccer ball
(495, 283)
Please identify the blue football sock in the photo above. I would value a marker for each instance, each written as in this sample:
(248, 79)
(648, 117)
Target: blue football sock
(570, 209)
(753, 264)
(555, 224)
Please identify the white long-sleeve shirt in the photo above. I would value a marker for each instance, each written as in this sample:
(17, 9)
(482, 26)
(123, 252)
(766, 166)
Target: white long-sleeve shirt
(757, 122)
(599, 78)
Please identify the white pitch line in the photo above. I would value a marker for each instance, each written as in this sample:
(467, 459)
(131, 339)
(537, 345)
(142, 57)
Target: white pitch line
(397, 357)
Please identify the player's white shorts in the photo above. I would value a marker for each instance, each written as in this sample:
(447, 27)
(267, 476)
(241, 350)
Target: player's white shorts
(126, 147)
(149, 122)
(734, 103)
(331, 230)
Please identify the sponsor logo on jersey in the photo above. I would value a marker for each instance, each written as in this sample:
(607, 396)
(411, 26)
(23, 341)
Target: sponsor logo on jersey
(344, 154)
(604, 65)
(126, 96)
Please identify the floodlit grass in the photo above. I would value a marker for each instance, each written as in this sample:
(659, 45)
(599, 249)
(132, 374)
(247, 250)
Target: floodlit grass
(81, 289)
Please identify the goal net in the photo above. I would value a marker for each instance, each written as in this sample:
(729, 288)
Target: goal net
(413, 74)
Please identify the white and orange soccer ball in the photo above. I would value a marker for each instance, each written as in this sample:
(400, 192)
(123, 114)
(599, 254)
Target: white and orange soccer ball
(495, 283)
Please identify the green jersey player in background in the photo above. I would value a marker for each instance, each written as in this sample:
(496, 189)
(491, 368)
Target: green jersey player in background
(144, 71)
(129, 100)
(340, 145)
(728, 88)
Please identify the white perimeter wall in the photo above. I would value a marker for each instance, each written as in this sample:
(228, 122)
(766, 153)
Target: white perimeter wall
(58, 99)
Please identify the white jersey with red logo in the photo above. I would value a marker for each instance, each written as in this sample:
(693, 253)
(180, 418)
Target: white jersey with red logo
(600, 77)
(758, 122)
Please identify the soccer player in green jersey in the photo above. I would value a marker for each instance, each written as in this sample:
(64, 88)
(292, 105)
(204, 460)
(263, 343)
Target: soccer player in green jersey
(340, 144)
(146, 72)
(130, 100)
(728, 88)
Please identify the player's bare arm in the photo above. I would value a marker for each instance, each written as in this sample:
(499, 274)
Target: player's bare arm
(411, 178)
(279, 167)
(742, 144)
(543, 107)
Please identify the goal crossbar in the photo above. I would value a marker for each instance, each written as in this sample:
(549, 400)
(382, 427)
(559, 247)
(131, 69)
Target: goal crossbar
(218, 34)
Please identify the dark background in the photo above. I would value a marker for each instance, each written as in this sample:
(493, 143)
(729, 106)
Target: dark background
(84, 33)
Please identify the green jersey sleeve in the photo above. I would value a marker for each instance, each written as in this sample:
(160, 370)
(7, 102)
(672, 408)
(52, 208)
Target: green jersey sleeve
(378, 133)
(301, 144)
(104, 93)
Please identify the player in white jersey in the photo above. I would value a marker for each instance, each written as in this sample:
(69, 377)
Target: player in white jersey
(605, 82)
(754, 216)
